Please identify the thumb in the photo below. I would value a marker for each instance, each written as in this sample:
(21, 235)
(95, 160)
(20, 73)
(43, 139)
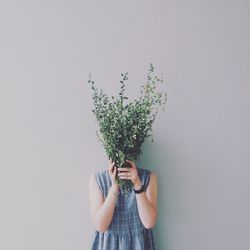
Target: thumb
(131, 163)
(114, 173)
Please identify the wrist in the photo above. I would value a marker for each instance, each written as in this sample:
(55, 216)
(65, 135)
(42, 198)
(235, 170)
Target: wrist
(114, 190)
(137, 184)
(115, 187)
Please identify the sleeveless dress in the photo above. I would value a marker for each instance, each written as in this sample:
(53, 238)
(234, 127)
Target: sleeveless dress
(126, 231)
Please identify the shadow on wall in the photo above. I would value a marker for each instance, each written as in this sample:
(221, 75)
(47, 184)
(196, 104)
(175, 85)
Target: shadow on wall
(155, 158)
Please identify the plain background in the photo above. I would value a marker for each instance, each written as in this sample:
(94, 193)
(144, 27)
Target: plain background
(48, 145)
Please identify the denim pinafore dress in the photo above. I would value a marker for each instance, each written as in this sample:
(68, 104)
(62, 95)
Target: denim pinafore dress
(126, 231)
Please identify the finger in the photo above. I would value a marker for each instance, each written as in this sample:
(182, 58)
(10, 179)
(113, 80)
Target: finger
(124, 169)
(112, 163)
(114, 174)
(111, 167)
(124, 174)
(125, 177)
(132, 163)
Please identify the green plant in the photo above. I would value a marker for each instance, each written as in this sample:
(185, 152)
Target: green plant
(123, 126)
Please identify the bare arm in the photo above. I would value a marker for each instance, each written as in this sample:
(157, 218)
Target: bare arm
(146, 201)
(102, 209)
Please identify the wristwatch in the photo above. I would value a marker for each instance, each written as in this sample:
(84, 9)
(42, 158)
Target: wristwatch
(140, 190)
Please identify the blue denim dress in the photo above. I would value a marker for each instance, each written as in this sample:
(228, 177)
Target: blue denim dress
(126, 231)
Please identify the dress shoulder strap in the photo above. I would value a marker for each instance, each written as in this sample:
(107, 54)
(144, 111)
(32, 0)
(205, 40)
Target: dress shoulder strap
(144, 175)
(103, 181)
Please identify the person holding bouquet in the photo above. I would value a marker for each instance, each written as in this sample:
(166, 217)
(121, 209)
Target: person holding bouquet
(123, 197)
(123, 222)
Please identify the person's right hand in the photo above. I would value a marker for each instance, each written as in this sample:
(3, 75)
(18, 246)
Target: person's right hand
(112, 172)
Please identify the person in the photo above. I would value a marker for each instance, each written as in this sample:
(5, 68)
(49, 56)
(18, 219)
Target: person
(123, 222)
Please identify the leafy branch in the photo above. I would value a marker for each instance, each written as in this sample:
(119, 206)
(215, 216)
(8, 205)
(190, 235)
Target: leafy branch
(124, 127)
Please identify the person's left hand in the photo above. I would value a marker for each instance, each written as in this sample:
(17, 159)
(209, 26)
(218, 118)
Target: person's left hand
(130, 174)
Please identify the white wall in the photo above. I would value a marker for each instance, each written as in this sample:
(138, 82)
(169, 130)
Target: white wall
(48, 145)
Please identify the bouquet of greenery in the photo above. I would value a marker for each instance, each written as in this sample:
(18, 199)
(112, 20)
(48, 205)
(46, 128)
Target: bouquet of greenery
(123, 126)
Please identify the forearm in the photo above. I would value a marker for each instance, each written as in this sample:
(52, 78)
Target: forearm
(146, 211)
(104, 215)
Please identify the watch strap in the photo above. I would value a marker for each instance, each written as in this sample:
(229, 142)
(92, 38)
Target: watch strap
(140, 190)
